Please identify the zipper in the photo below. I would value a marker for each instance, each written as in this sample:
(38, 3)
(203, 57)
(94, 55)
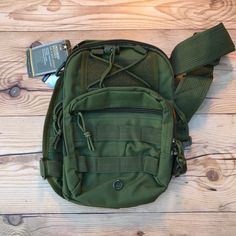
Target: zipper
(124, 109)
(174, 122)
(81, 121)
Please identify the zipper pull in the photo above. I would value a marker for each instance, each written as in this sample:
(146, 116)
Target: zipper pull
(86, 133)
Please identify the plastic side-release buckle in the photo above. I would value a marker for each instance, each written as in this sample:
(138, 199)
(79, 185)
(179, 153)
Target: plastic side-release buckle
(42, 168)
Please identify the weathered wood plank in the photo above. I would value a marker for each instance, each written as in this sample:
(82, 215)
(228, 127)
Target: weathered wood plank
(157, 224)
(26, 104)
(33, 102)
(209, 184)
(210, 133)
(21, 134)
(13, 44)
(198, 203)
(56, 15)
(34, 95)
(7, 4)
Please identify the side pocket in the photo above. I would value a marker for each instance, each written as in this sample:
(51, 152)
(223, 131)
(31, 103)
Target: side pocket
(57, 124)
(71, 178)
(49, 153)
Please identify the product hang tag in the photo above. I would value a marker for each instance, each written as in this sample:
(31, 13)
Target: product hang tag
(46, 58)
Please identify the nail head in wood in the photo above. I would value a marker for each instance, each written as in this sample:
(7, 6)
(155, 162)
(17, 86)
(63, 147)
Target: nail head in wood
(14, 91)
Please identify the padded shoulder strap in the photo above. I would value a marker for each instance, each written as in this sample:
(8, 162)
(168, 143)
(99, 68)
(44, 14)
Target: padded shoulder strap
(193, 61)
(201, 49)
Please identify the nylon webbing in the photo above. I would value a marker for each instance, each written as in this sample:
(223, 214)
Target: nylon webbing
(196, 58)
(127, 133)
(190, 93)
(50, 168)
(121, 133)
(118, 164)
(201, 49)
(148, 164)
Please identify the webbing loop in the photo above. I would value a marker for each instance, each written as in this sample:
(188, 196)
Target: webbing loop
(147, 164)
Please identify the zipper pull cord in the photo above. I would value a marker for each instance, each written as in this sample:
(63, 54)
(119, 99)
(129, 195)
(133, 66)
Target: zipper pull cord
(86, 133)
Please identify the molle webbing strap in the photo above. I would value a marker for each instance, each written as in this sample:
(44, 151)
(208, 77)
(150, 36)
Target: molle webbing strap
(201, 49)
(50, 168)
(120, 133)
(146, 164)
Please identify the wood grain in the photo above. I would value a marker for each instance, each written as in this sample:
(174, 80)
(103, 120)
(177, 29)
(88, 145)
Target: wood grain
(139, 224)
(21, 134)
(201, 202)
(57, 15)
(210, 133)
(34, 95)
(208, 186)
(13, 44)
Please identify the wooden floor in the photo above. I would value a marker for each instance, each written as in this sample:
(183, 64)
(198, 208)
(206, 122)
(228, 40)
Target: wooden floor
(202, 202)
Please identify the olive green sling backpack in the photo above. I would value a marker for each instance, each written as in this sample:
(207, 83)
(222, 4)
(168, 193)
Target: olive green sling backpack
(118, 118)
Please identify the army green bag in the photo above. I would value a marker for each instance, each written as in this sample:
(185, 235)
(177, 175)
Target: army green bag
(118, 119)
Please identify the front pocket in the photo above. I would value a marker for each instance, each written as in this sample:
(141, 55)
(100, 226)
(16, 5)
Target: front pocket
(118, 131)
(119, 134)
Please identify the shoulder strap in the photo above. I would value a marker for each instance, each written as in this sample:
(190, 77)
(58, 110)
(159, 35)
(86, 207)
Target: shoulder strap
(201, 49)
(193, 61)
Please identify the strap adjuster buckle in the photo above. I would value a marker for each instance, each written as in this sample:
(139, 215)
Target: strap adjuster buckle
(42, 169)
